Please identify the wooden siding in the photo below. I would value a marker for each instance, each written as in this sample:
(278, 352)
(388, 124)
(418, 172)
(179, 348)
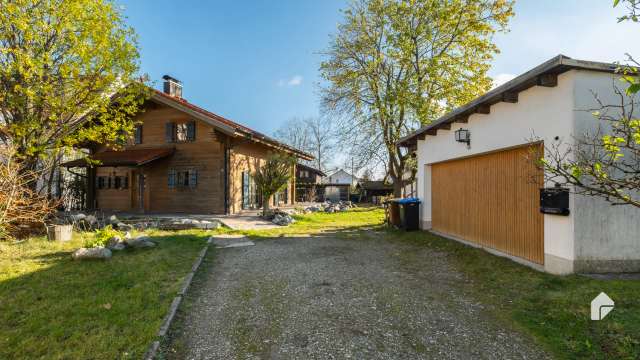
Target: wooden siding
(205, 155)
(248, 156)
(491, 200)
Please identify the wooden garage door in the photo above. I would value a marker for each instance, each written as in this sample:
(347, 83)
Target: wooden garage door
(491, 200)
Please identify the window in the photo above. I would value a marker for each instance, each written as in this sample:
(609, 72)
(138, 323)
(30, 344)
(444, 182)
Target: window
(183, 132)
(138, 135)
(101, 182)
(182, 178)
(117, 182)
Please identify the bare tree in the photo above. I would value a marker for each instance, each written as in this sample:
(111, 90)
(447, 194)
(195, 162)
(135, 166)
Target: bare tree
(605, 162)
(313, 135)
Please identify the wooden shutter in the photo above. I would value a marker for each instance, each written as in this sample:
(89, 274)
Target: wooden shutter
(191, 131)
(172, 178)
(170, 132)
(245, 190)
(193, 178)
(138, 134)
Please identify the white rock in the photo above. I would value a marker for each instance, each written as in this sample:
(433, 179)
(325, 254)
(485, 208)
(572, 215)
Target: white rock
(92, 253)
(141, 242)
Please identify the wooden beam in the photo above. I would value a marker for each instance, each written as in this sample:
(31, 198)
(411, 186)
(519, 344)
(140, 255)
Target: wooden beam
(432, 132)
(547, 80)
(446, 126)
(422, 136)
(510, 97)
(462, 119)
(483, 109)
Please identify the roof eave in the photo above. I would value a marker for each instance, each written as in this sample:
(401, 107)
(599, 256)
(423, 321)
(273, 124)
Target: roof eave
(533, 77)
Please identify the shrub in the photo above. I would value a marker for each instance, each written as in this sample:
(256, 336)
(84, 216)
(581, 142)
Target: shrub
(21, 207)
(102, 236)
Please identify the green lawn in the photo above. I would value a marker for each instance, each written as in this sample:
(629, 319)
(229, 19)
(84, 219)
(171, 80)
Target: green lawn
(554, 309)
(52, 307)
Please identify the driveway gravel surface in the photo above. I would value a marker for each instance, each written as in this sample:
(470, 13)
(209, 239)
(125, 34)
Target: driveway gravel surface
(343, 295)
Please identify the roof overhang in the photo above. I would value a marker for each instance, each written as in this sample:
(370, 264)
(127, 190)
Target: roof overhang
(129, 158)
(545, 74)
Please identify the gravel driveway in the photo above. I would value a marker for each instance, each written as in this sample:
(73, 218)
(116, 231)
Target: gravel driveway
(346, 295)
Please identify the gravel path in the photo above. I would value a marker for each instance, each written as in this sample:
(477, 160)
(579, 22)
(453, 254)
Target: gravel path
(348, 295)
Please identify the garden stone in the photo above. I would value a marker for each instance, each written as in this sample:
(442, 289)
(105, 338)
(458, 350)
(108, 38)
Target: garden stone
(118, 247)
(92, 253)
(141, 242)
(124, 227)
(113, 220)
(127, 235)
(91, 219)
(112, 242)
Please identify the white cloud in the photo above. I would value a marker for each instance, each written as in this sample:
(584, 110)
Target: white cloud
(501, 79)
(294, 81)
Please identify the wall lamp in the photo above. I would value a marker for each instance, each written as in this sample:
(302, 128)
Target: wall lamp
(463, 136)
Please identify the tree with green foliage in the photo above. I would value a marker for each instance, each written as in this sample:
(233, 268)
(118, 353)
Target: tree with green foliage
(67, 76)
(397, 64)
(273, 176)
(605, 162)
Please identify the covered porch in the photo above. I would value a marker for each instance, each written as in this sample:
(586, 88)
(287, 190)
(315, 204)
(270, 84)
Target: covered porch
(118, 180)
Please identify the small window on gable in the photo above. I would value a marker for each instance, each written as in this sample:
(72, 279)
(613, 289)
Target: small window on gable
(181, 132)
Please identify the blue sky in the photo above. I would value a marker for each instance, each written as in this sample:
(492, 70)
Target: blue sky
(256, 62)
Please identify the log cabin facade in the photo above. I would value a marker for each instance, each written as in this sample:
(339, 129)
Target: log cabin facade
(182, 159)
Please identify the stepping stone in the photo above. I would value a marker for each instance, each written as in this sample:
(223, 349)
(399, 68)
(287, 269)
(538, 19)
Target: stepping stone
(231, 241)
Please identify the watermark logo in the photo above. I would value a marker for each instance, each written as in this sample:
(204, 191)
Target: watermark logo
(601, 305)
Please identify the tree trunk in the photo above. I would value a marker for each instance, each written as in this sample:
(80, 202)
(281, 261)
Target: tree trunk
(265, 205)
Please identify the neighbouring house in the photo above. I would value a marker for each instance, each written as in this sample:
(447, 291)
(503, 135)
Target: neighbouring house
(182, 158)
(479, 183)
(373, 191)
(337, 186)
(308, 183)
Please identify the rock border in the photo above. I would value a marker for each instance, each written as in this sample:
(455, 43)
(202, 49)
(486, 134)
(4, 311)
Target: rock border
(152, 351)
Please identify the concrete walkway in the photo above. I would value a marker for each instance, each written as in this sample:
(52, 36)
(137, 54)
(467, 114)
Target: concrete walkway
(359, 295)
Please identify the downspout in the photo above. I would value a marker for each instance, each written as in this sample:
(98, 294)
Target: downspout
(227, 151)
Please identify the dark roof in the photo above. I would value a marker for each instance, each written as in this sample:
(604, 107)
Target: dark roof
(544, 74)
(375, 185)
(309, 168)
(227, 126)
(133, 157)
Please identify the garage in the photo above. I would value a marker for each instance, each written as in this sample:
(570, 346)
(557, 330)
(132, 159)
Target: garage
(478, 182)
(491, 200)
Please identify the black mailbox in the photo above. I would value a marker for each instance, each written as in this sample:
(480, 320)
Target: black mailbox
(554, 201)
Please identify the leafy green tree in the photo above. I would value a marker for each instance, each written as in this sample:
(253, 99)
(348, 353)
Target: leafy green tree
(605, 162)
(273, 176)
(396, 64)
(67, 76)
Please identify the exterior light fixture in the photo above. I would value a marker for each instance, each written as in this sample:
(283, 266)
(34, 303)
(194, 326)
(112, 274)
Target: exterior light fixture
(463, 136)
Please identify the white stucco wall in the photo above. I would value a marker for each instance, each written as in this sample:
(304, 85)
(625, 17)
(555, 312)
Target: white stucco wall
(602, 231)
(594, 230)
